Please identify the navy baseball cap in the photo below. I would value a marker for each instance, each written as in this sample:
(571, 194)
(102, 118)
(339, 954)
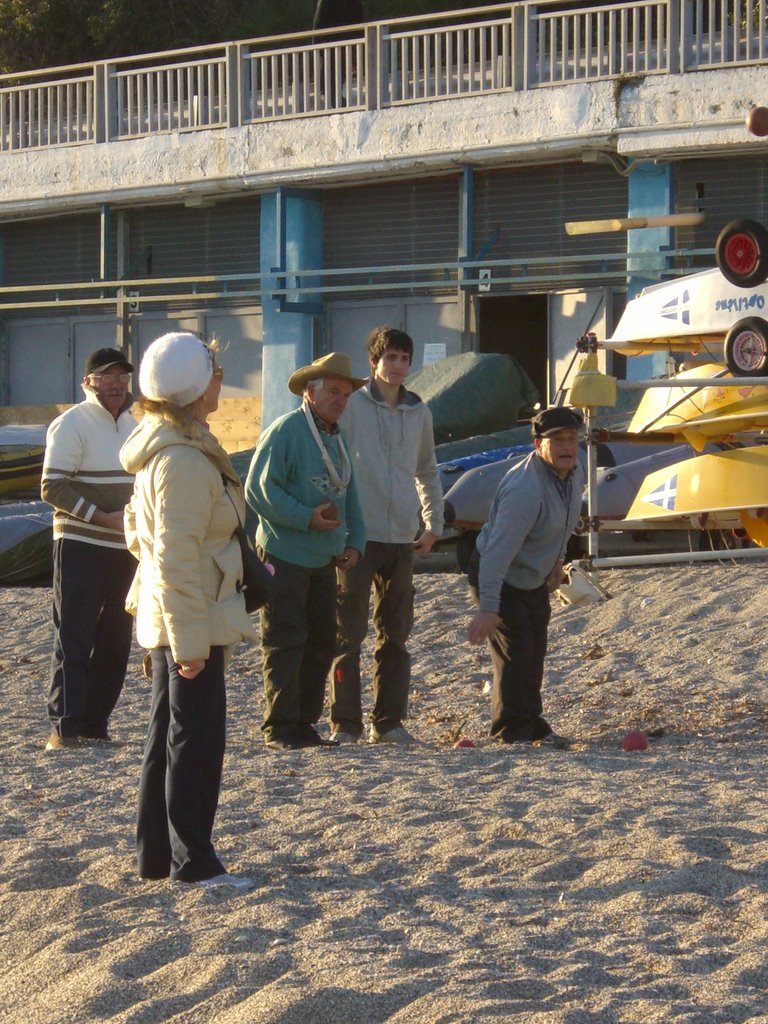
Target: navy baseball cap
(102, 358)
(550, 421)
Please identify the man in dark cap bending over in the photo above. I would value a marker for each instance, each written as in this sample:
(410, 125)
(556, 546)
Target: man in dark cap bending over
(518, 562)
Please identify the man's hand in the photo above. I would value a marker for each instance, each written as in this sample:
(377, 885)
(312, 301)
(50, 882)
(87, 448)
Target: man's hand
(109, 520)
(481, 626)
(347, 560)
(555, 578)
(318, 520)
(425, 543)
(190, 669)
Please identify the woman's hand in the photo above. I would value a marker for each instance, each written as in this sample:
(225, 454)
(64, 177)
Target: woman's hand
(190, 669)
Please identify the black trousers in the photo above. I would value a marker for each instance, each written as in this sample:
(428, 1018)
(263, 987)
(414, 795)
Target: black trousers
(181, 771)
(518, 648)
(298, 636)
(92, 639)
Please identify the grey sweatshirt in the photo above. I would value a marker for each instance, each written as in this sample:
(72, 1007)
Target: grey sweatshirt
(532, 516)
(393, 457)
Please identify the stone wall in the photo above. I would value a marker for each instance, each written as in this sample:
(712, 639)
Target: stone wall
(236, 423)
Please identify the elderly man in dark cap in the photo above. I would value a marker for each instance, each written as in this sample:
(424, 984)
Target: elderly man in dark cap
(518, 562)
(300, 483)
(92, 567)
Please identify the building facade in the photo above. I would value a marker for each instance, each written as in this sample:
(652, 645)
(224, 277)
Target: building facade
(287, 195)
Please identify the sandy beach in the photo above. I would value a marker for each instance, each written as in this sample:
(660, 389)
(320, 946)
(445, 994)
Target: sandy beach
(587, 886)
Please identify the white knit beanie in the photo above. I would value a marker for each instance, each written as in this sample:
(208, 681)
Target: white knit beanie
(176, 368)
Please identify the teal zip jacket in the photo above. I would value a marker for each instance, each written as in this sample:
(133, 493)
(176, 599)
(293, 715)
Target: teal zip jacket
(286, 481)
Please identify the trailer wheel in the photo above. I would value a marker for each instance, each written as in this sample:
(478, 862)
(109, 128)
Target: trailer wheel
(742, 253)
(746, 348)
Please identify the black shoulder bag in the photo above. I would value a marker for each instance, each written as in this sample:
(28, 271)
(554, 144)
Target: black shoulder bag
(256, 584)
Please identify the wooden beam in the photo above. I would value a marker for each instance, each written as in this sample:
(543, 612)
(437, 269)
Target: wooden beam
(669, 220)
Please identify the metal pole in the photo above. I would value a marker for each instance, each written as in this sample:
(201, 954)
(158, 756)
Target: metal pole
(592, 513)
(691, 382)
(587, 564)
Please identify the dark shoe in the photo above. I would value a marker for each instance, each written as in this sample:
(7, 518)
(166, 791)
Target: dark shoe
(554, 741)
(102, 739)
(311, 738)
(283, 743)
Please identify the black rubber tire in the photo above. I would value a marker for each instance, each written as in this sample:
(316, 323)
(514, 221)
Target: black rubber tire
(742, 253)
(746, 348)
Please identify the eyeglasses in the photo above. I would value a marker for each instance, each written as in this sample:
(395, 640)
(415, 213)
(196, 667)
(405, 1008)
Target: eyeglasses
(218, 372)
(112, 378)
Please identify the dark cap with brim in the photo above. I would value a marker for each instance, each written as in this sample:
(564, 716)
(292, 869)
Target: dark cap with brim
(103, 358)
(550, 421)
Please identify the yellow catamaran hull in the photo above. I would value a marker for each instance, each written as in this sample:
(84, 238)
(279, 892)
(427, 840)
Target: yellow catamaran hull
(700, 415)
(710, 488)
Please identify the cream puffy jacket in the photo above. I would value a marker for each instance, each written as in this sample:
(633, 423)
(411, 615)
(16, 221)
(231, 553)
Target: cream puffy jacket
(179, 525)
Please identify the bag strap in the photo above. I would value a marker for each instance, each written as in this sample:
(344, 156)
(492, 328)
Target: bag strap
(234, 506)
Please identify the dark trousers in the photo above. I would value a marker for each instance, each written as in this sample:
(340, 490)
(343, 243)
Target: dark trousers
(517, 651)
(181, 771)
(92, 639)
(389, 569)
(298, 634)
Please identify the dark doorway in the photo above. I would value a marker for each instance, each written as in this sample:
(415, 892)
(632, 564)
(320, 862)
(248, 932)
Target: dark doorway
(517, 325)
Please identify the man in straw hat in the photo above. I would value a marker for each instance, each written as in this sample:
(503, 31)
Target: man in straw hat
(301, 486)
(518, 562)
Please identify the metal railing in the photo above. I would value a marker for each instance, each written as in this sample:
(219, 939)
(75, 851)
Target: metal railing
(173, 97)
(536, 273)
(518, 46)
(602, 43)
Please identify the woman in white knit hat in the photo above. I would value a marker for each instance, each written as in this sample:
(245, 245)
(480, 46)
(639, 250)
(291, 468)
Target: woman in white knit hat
(188, 606)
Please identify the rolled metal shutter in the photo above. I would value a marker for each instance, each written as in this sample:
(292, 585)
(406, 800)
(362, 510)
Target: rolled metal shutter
(179, 241)
(398, 222)
(723, 189)
(520, 213)
(51, 251)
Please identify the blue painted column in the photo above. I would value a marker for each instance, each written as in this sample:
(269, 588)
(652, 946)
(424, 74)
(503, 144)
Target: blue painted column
(651, 194)
(291, 239)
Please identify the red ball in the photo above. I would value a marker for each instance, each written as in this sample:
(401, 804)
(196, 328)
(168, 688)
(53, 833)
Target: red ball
(635, 740)
(466, 742)
(757, 121)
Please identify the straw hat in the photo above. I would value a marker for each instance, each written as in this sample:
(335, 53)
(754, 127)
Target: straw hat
(335, 365)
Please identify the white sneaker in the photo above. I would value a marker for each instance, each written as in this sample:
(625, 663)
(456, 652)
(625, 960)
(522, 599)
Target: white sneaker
(344, 737)
(225, 879)
(399, 735)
